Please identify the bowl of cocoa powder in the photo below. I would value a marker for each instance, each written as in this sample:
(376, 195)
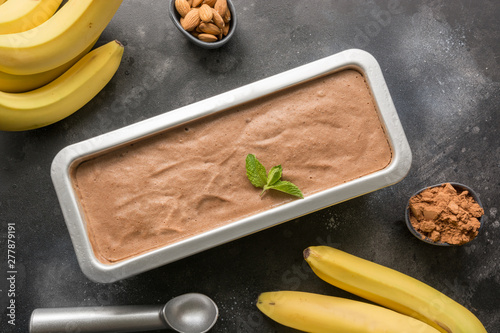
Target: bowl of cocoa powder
(447, 214)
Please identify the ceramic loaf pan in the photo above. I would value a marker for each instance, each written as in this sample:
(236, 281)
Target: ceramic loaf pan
(67, 158)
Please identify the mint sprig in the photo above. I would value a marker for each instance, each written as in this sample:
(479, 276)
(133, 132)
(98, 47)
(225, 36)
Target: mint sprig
(258, 176)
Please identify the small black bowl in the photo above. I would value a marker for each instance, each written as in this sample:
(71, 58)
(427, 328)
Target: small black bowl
(459, 187)
(175, 17)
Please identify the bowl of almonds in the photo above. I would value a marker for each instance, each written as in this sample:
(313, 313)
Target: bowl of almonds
(207, 23)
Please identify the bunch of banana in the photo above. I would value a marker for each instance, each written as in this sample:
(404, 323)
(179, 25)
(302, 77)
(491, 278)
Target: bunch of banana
(328, 314)
(391, 289)
(47, 72)
(22, 15)
(58, 40)
(394, 290)
(21, 83)
(63, 96)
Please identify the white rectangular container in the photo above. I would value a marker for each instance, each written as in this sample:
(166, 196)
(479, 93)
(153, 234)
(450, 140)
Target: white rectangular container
(73, 154)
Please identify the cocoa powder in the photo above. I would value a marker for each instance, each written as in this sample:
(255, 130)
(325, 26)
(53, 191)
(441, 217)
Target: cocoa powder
(445, 215)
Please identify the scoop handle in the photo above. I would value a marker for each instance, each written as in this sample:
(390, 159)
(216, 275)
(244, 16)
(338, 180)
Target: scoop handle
(126, 318)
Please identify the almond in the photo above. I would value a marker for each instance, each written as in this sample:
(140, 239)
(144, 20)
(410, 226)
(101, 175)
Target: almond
(217, 19)
(210, 3)
(227, 16)
(191, 20)
(190, 2)
(225, 30)
(221, 7)
(209, 28)
(207, 38)
(182, 7)
(196, 3)
(206, 13)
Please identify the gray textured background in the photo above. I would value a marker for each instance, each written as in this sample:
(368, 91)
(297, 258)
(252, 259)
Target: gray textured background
(440, 61)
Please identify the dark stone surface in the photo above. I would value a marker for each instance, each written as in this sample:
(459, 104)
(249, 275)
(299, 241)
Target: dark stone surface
(440, 61)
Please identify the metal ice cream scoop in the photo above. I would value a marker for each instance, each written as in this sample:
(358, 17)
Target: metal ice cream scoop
(189, 313)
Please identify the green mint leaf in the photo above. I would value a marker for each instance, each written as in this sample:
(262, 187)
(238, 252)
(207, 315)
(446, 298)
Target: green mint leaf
(287, 187)
(274, 175)
(256, 172)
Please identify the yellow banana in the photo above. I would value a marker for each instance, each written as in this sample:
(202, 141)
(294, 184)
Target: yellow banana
(392, 289)
(59, 39)
(328, 314)
(64, 95)
(2, 2)
(21, 15)
(22, 83)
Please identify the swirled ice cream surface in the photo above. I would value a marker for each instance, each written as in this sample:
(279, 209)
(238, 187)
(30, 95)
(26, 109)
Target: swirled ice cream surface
(191, 178)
